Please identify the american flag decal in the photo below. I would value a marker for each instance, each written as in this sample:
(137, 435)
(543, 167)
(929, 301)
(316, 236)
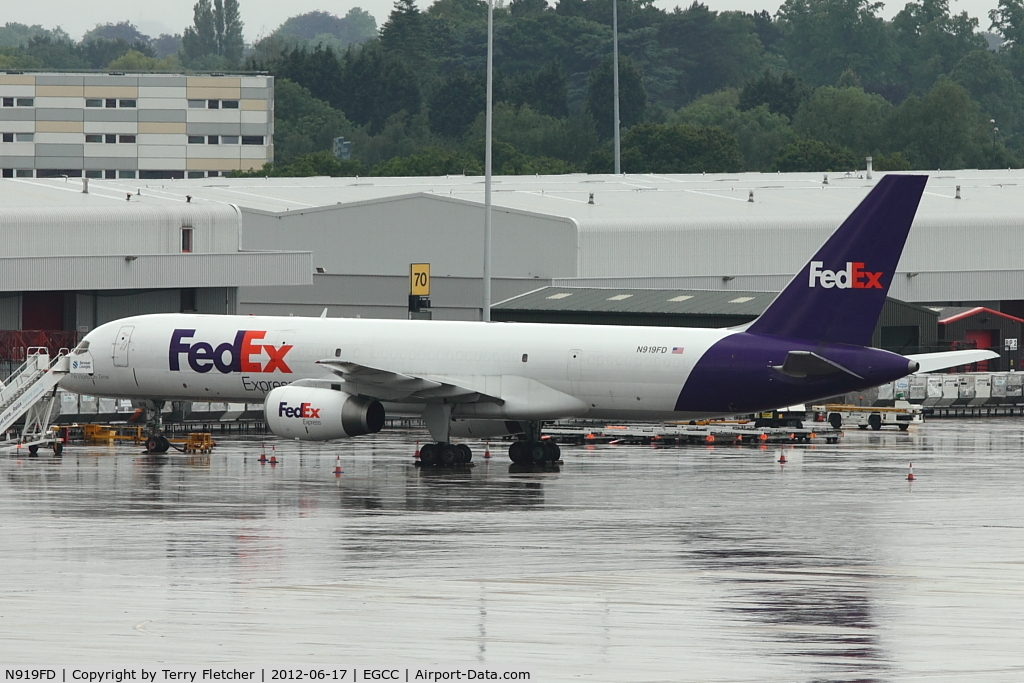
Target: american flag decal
(677, 349)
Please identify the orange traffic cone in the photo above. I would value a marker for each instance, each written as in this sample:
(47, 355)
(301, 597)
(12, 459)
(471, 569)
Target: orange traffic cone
(337, 466)
(910, 477)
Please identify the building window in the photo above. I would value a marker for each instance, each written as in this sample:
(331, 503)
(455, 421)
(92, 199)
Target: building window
(94, 103)
(213, 174)
(26, 102)
(111, 139)
(8, 101)
(94, 174)
(212, 140)
(127, 103)
(24, 137)
(186, 240)
(8, 173)
(112, 103)
(229, 139)
(110, 175)
(8, 137)
(252, 139)
(229, 104)
(213, 104)
(196, 139)
(94, 138)
(128, 138)
(197, 104)
(23, 173)
(196, 174)
(130, 175)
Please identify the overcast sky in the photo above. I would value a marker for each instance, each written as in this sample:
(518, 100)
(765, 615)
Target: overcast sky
(263, 16)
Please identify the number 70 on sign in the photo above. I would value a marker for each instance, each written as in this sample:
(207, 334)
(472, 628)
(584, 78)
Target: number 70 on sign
(419, 279)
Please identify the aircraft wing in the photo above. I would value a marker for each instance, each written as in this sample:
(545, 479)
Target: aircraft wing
(930, 362)
(485, 396)
(395, 386)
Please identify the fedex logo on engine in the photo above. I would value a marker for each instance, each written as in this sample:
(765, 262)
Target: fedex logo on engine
(244, 354)
(305, 410)
(854, 277)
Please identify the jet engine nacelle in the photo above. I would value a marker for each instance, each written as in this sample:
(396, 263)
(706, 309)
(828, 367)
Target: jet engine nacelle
(313, 414)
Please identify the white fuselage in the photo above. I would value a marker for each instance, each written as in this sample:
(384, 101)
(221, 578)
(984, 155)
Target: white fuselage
(615, 372)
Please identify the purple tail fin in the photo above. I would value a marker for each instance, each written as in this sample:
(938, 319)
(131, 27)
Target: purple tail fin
(838, 295)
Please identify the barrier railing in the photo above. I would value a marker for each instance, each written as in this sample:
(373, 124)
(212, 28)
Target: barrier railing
(14, 344)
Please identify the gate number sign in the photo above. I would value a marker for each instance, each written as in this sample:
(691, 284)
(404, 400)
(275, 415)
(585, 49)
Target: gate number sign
(419, 279)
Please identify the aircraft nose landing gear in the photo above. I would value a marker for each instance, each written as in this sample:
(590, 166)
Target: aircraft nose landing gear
(156, 442)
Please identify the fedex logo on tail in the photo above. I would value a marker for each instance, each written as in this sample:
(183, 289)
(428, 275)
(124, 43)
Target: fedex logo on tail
(244, 354)
(304, 410)
(854, 277)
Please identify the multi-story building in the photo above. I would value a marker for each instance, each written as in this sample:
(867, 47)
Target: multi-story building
(145, 126)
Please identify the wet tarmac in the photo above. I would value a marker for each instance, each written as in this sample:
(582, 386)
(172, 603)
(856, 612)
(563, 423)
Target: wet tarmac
(630, 563)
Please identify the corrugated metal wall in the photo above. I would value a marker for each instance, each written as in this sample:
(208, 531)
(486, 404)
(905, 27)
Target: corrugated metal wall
(131, 229)
(382, 237)
(76, 273)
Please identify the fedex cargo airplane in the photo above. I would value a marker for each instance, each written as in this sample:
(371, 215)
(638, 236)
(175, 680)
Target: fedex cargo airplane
(323, 379)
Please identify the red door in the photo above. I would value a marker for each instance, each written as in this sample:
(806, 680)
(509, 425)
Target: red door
(985, 339)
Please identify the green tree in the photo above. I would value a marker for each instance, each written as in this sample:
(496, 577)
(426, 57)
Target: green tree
(303, 124)
(782, 94)
(931, 41)
(232, 39)
(823, 38)
(456, 102)
(942, 129)
(814, 155)
(844, 117)
(321, 163)
(373, 86)
(658, 148)
(993, 87)
(761, 134)
(600, 96)
(432, 161)
(535, 134)
(200, 39)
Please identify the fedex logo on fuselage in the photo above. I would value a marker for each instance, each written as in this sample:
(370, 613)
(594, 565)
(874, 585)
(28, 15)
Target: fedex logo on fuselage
(854, 277)
(305, 410)
(244, 354)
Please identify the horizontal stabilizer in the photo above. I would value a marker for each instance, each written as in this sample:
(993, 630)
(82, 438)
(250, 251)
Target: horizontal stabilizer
(802, 364)
(930, 362)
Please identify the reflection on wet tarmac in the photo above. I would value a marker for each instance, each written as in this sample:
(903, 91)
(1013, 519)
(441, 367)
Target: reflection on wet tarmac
(627, 563)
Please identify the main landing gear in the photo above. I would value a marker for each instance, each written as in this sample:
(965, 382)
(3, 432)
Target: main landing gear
(534, 450)
(443, 453)
(438, 418)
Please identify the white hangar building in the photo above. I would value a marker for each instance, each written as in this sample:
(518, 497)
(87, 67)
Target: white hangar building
(298, 245)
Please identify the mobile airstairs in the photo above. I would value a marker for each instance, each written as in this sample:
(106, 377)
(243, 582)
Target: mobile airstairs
(31, 392)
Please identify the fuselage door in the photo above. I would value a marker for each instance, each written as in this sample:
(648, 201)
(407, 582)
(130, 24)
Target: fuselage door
(121, 343)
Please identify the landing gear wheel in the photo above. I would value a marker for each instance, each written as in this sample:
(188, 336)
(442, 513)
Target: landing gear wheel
(875, 421)
(836, 420)
(518, 453)
(539, 452)
(33, 450)
(467, 454)
(58, 447)
(554, 452)
(450, 454)
(429, 454)
(165, 445)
